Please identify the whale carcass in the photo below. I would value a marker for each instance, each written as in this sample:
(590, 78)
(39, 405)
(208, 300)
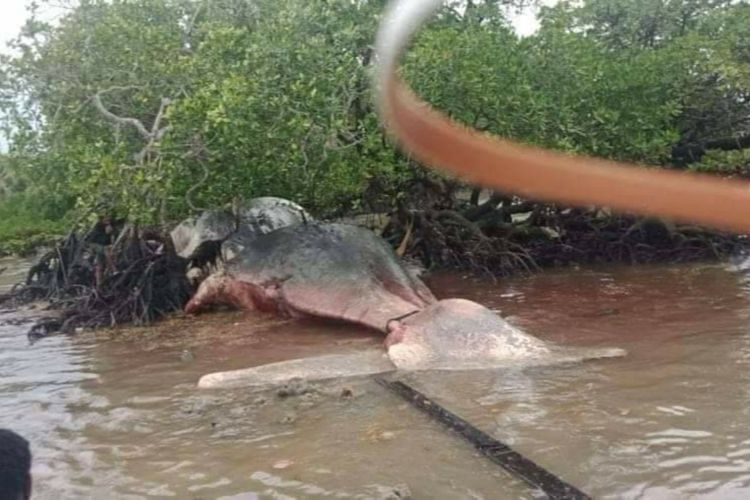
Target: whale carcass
(346, 273)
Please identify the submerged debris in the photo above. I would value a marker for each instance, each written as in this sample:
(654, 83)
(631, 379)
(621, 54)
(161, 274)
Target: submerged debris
(289, 418)
(398, 492)
(295, 387)
(346, 394)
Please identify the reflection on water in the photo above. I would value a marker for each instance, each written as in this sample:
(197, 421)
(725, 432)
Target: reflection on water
(116, 414)
(12, 271)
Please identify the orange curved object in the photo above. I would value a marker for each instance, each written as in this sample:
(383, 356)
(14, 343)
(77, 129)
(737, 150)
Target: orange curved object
(507, 166)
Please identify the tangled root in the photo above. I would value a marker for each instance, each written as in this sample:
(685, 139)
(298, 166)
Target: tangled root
(446, 239)
(136, 280)
(493, 239)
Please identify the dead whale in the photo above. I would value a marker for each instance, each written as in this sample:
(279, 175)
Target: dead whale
(346, 273)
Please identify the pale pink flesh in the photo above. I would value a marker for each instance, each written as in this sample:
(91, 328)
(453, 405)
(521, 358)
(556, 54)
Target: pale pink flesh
(368, 306)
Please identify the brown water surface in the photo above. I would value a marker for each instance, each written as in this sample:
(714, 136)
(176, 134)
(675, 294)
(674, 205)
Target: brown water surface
(117, 415)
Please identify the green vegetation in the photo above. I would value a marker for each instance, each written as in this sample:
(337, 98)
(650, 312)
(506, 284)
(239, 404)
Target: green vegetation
(23, 227)
(156, 108)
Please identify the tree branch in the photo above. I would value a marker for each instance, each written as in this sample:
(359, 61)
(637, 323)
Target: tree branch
(153, 136)
(155, 130)
(188, 38)
(156, 133)
(133, 122)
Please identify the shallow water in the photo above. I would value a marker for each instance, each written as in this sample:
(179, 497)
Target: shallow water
(116, 414)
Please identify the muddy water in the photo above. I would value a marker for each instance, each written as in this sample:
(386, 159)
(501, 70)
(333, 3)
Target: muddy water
(116, 415)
